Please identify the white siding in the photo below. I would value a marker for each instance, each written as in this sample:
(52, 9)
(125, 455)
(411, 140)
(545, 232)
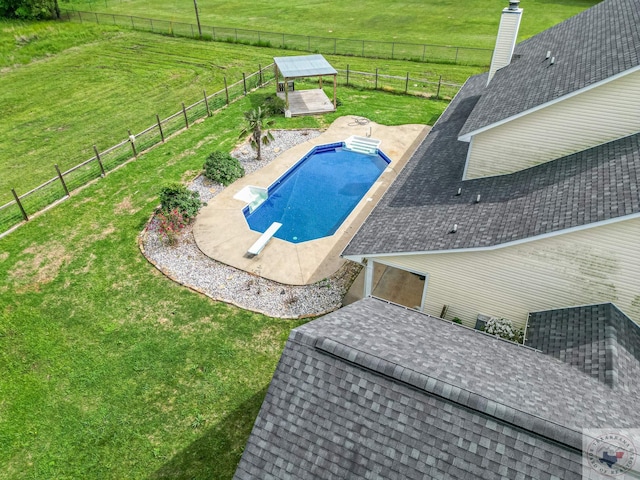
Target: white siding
(506, 40)
(596, 265)
(597, 116)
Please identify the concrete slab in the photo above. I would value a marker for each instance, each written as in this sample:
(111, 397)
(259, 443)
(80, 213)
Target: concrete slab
(222, 233)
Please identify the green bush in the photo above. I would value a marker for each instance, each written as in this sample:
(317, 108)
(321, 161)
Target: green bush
(221, 167)
(178, 197)
(274, 105)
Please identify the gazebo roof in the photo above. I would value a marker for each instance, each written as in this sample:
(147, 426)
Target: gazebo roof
(304, 66)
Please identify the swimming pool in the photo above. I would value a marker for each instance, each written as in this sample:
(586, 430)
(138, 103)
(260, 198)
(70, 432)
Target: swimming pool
(318, 193)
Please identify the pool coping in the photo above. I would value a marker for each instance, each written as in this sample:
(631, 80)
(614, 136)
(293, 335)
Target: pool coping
(222, 233)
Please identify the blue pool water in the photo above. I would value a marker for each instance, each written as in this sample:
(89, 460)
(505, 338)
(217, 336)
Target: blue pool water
(314, 197)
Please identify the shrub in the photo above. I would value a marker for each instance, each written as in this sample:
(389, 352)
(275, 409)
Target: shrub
(503, 328)
(221, 167)
(169, 225)
(274, 105)
(178, 197)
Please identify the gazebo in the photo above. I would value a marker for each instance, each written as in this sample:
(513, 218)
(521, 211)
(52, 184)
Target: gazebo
(304, 102)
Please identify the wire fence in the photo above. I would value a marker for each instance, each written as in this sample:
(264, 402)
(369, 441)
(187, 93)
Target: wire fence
(58, 188)
(420, 52)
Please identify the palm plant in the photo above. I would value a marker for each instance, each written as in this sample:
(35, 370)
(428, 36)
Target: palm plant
(257, 123)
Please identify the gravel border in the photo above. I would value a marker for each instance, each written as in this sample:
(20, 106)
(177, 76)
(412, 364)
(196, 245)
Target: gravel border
(188, 266)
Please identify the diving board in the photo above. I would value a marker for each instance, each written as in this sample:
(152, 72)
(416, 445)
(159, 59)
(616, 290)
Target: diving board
(257, 247)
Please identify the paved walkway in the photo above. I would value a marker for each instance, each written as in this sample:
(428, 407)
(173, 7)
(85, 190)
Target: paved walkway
(222, 233)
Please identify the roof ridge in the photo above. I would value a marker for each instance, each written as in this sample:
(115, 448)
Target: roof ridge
(433, 386)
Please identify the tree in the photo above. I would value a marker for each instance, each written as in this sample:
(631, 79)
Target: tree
(257, 122)
(29, 9)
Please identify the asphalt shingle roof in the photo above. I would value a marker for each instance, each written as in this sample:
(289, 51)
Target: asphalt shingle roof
(421, 206)
(601, 183)
(599, 340)
(378, 391)
(592, 46)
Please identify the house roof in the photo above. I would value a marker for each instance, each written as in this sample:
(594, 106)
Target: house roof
(377, 390)
(304, 66)
(421, 206)
(595, 45)
(588, 338)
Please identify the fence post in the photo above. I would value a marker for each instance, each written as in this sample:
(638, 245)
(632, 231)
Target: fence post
(213, 31)
(376, 79)
(406, 84)
(424, 51)
(133, 25)
(456, 60)
(244, 83)
(308, 43)
(226, 89)
(15, 195)
(335, 46)
(393, 49)
(151, 21)
(184, 112)
(260, 74)
(95, 149)
(160, 127)
(363, 48)
(64, 185)
(347, 74)
(283, 44)
(132, 141)
(96, 14)
(206, 102)
(439, 84)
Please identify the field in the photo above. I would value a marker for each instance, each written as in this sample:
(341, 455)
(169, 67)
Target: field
(473, 23)
(109, 369)
(89, 84)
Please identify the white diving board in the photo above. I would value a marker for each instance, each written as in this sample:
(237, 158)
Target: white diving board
(257, 247)
(366, 145)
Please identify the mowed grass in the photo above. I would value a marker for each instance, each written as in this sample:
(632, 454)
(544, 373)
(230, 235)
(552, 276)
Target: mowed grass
(109, 369)
(473, 23)
(65, 87)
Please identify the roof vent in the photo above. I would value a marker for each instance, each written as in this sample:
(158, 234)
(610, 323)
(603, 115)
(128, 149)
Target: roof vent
(548, 55)
(454, 229)
(478, 199)
(459, 192)
(553, 60)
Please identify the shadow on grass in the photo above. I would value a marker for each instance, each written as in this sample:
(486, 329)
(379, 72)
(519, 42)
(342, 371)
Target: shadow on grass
(215, 455)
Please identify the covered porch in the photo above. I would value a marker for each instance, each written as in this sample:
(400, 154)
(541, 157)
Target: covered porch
(310, 101)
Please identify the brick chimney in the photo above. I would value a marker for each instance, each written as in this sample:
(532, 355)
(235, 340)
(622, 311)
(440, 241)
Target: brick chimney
(507, 35)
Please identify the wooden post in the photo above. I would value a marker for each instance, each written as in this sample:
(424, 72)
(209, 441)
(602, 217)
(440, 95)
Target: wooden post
(424, 51)
(195, 4)
(96, 14)
(244, 82)
(206, 102)
(184, 112)
(456, 60)
(151, 20)
(335, 49)
(15, 195)
(226, 89)
(335, 88)
(376, 79)
(393, 48)
(363, 48)
(95, 149)
(64, 185)
(406, 84)
(132, 141)
(260, 73)
(160, 127)
(439, 84)
(347, 74)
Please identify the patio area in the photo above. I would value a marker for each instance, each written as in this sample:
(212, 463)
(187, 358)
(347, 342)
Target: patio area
(222, 233)
(308, 102)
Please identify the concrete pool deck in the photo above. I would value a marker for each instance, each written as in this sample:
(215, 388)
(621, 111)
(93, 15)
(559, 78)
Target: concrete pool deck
(222, 233)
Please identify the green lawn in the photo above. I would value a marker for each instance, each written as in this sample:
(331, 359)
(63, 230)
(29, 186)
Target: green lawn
(472, 23)
(109, 369)
(65, 87)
